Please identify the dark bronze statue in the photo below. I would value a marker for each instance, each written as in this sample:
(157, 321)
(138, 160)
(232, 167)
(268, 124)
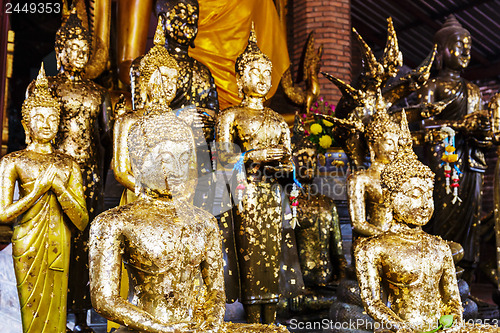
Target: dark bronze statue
(456, 220)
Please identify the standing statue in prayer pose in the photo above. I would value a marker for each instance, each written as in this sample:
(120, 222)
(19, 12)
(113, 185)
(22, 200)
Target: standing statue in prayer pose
(263, 137)
(456, 219)
(83, 132)
(172, 249)
(414, 268)
(51, 204)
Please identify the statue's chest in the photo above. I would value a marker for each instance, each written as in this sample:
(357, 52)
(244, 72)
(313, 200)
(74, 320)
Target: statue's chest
(79, 101)
(163, 247)
(374, 193)
(312, 210)
(192, 80)
(34, 166)
(260, 130)
(411, 264)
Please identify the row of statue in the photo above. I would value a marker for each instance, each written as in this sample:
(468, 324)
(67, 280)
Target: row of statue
(181, 257)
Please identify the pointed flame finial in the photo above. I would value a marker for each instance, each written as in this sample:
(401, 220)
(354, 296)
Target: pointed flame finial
(41, 79)
(159, 38)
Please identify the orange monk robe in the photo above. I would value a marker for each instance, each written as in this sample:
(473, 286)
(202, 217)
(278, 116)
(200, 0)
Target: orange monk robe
(223, 30)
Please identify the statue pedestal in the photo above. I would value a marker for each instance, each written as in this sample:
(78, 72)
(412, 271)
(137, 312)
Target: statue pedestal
(10, 311)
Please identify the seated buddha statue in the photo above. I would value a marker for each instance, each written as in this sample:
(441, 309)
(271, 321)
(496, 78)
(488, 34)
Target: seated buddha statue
(172, 249)
(413, 268)
(51, 204)
(263, 137)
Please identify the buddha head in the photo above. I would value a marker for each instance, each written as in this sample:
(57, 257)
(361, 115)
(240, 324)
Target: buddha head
(382, 135)
(40, 112)
(253, 70)
(72, 44)
(159, 71)
(408, 186)
(181, 19)
(162, 155)
(454, 45)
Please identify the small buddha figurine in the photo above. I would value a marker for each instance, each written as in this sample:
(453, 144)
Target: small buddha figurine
(457, 221)
(84, 134)
(264, 139)
(414, 268)
(51, 204)
(317, 232)
(172, 249)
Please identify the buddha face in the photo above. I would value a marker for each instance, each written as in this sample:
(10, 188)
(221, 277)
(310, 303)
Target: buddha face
(386, 147)
(162, 85)
(256, 79)
(181, 21)
(42, 124)
(456, 54)
(413, 203)
(75, 55)
(175, 164)
(166, 168)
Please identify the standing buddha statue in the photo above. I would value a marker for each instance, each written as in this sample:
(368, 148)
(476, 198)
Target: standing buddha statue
(51, 204)
(157, 96)
(369, 216)
(171, 248)
(263, 137)
(196, 85)
(83, 133)
(457, 221)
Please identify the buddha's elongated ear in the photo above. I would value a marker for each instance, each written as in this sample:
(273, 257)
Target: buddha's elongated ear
(27, 132)
(239, 83)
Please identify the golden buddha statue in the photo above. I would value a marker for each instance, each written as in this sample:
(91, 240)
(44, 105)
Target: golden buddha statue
(459, 221)
(317, 233)
(84, 134)
(195, 84)
(51, 204)
(159, 72)
(264, 139)
(369, 216)
(172, 250)
(414, 268)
